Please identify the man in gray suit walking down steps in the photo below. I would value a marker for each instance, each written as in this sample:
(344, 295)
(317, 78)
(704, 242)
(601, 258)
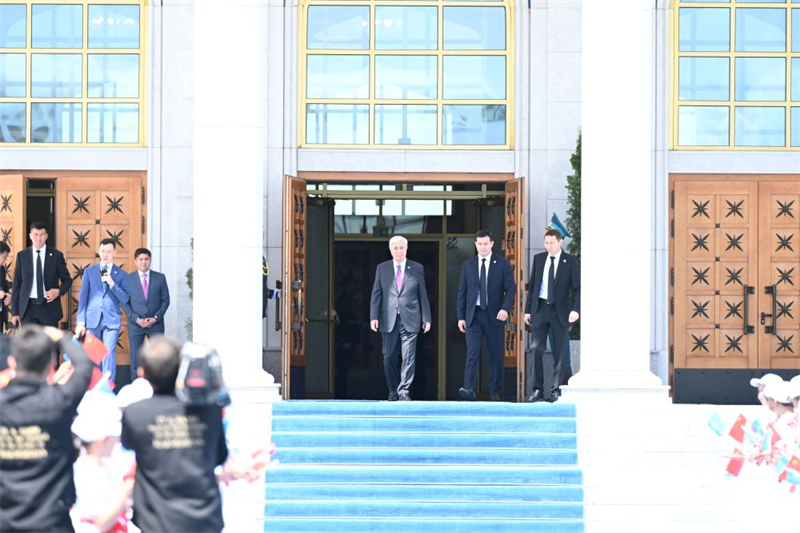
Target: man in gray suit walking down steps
(399, 309)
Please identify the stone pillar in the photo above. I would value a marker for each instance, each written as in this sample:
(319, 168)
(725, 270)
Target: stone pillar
(618, 109)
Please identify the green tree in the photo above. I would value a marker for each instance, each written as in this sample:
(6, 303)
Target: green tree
(574, 216)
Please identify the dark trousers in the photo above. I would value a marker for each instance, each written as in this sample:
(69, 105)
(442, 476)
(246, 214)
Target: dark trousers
(39, 314)
(399, 378)
(484, 326)
(136, 337)
(545, 320)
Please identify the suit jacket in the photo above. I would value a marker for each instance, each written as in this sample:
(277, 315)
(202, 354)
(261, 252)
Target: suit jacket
(55, 275)
(412, 299)
(500, 288)
(568, 275)
(157, 300)
(98, 301)
(4, 288)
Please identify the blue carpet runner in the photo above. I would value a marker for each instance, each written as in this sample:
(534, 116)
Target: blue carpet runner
(424, 467)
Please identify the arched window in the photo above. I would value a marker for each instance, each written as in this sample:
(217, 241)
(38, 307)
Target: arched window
(406, 74)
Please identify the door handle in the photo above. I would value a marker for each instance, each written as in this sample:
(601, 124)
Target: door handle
(297, 304)
(278, 306)
(748, 329)
(773, 291)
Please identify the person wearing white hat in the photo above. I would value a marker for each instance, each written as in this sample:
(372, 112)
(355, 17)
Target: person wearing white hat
(762, 382)
(104, 497)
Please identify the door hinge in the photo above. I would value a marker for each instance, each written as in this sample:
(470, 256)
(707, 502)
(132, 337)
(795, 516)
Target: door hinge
(672, 306)
(143, 226)
(672, 277)
(672, 200)
(672, 228)
(143, 197)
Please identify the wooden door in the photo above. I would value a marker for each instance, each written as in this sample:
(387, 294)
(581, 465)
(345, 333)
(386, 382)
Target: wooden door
(779, 267)
(514, 350)
(715, 274)
(294, 299)
(12, 218)
(88, 210)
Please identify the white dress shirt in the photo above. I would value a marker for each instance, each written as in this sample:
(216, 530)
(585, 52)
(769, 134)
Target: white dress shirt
(33, 294)
(546, 273)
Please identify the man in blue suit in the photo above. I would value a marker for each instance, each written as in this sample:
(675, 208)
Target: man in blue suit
(104, 287)
(485, 296)
(147, 306)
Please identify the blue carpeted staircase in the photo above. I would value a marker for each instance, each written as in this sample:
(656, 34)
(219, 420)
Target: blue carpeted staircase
(426, 467)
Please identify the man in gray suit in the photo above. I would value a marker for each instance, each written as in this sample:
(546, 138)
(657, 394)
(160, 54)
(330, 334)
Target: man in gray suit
(147, 306)
(399, 309)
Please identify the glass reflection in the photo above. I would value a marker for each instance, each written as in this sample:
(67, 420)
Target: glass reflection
(795, 126)
(56, 123)
(796, 79)
(703, 126)
(13, 26)
(12, 75)
(12, 122)
(474, 77)
(760, 126)
(760, 30)
(405, 124)
(113, 75)
(331, 76)
(704, 29)
(338, 28)
(474, 124)
(760, 79)
(406, 28)
(474, 28)
(703, 78)
(113, 123)
(337, 124)
(796, 30)
(113, 26)
(56, 75)
(405, 77)
(57, 26)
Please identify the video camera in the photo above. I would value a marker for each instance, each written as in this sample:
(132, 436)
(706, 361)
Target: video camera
(200, 376)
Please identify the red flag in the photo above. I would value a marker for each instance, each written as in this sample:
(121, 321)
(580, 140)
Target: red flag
(737, 431)
(735, 465)
(94, 348)
(97, 375)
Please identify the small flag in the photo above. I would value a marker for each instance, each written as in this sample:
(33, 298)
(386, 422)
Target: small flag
(766, 443)
(716, 424)
(97, 375)
(103, 384)
(737, 431)
(792, 472)
(757, 427)
(735, 464)
(94, 348)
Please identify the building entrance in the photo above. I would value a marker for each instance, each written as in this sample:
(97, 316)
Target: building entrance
(329, 349)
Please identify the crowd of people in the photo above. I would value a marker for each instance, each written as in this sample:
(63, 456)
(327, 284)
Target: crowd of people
(779, 428)
(147, 459)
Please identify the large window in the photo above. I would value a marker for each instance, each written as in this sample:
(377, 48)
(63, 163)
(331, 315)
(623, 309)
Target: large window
(736, 75)
(71, 73)
(406, 74)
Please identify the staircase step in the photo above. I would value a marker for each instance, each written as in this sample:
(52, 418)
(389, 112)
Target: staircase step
(366, 439)
(383, 456)
(394, 509)
(474, 424)
(427, 474)
(381, 408)
(425, 493)
(350, 525)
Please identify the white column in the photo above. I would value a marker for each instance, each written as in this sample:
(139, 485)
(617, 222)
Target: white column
(618, 106)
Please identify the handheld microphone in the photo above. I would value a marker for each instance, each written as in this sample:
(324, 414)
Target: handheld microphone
(103, 273)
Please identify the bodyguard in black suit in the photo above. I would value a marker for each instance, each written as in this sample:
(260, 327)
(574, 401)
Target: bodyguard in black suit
(40, 279)
(485, 296)
(548, 308)
(5, 291)
(399, 308)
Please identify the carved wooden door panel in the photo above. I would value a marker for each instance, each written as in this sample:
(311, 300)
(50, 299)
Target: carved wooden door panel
(779, 267)
(88, 210)
(715, 274)
(514, 349)
(294, 273)
(12, 218)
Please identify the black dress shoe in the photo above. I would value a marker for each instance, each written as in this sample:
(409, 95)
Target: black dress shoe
(404, 397)
(392, 397)
(537, 396)
(467, 394)
(554, 395)
(495, 398)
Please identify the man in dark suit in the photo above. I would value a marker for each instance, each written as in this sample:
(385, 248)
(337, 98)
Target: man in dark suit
(40, 278)
(485, 296)
(104, 287)
(548, 309)
(147, 306)
(399, 309)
